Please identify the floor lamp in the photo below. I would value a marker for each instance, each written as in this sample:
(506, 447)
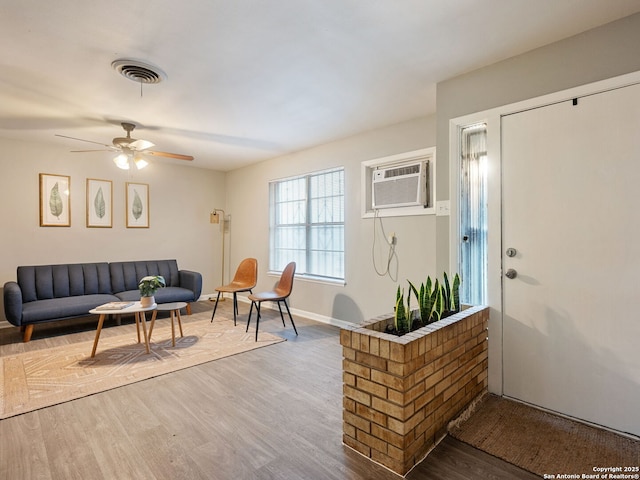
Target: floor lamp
(214, 217)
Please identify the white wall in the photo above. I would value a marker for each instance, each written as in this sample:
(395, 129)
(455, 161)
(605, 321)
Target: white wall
(365, 293)
(602, 53)
(598, 54)
(180, 200)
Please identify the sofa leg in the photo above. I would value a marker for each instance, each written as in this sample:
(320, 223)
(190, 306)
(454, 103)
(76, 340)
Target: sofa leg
(188, 309)
(27, 331)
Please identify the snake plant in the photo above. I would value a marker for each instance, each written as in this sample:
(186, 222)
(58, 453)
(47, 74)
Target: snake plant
(437, 300)
(451, 293)
(425, 303)
(434, 300)
(401, 317)
(455, 294)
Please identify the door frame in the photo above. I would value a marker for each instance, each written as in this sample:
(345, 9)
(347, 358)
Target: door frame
(493, 118)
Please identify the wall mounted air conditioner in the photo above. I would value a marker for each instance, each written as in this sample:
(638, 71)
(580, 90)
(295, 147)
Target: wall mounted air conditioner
(400, 186)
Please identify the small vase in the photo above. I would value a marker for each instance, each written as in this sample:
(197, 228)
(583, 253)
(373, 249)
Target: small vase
(146, 302)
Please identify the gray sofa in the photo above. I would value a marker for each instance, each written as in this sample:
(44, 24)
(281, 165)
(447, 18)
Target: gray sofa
(46, 293)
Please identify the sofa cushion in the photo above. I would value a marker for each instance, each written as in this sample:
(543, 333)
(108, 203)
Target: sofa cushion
(125, 276)
(59, 308)
(56, 281)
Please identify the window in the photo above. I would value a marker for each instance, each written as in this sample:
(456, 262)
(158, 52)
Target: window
(473, 214)
(307, 224)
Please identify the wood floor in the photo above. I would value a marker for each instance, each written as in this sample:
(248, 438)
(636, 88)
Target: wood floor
(272, 413)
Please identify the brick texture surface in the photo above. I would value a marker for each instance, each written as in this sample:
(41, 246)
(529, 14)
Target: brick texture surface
(401, 392)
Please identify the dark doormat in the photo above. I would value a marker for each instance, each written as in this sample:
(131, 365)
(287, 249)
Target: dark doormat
(543, 443)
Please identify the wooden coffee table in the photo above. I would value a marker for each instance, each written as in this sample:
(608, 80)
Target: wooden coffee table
(174, 309)
(139, 312)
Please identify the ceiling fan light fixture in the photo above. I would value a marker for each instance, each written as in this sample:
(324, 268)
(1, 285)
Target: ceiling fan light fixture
(122, 161)
(141, 144)
(131, 149)
(140, 162)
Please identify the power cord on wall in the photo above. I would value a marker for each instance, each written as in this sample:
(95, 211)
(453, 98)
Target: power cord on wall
(391, 242)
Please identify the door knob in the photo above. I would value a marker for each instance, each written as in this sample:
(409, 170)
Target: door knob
(511, 273)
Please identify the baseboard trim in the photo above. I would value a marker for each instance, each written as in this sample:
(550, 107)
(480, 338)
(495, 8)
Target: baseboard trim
(294, 311)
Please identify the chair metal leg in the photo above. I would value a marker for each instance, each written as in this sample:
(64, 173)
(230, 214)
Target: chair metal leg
(290, 317)
(249, 317)
(215, 306)
(257, 318)
(235, 307)
(281, 316)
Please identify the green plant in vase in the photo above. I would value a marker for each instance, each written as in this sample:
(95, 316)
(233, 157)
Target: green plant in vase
(148, 287)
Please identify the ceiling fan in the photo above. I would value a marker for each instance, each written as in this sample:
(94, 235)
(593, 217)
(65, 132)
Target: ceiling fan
(130, 150)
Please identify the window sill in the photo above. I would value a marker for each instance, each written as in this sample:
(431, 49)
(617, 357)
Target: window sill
(312, 279)
(399, 212)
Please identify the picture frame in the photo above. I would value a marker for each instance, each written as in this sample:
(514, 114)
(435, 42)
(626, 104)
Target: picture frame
(55, 204)
(99, 203)
(137, 202)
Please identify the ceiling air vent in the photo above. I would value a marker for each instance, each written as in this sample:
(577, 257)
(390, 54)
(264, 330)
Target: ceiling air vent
(138, 71)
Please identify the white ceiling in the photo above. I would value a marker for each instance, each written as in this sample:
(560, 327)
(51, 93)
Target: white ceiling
(249, 80)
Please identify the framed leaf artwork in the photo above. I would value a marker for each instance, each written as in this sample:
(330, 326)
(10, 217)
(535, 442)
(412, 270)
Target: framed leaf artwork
(99, 203)
(137, 205)
(55, 207)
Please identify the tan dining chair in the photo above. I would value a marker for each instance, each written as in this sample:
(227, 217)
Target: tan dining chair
(279, 294)
(244, 280)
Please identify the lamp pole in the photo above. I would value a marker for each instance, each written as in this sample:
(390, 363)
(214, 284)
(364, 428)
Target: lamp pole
(214, 217)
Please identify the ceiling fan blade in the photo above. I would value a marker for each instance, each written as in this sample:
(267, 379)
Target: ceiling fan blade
(102, 150)
(83, 140)
(141, 145)
(169, 155)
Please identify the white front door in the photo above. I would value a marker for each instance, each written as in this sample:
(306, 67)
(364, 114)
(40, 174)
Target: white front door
(571, 214)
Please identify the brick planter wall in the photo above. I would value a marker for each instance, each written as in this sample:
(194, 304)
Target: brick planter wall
(401, 392)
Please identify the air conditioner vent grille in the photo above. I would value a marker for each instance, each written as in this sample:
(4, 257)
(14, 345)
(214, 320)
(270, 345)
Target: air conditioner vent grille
(400, 186)
(396, 172)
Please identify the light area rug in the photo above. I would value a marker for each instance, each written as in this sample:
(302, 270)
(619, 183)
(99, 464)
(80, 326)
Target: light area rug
(41, 378)
(543, 443)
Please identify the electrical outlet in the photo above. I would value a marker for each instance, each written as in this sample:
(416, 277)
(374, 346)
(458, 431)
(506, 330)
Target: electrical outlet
(392, 238)
(442, 208)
